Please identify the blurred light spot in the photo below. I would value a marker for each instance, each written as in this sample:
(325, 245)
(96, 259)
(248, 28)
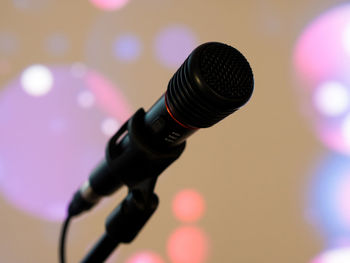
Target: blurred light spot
(8, 43)
(329, 198)
(109, 5)
(78, 70)
(341, 255)
(188, 205)
(346, 129)
(346, 39)
(49, 146)
(332, 98)
(57, 44)
(37, 80)
(127, 47)
(188, 245)
(109, 126)
(343, 199)
(173, 44)
(106, 95)
(86, 99)
(145, 257)
(319, 52)
(322, 64)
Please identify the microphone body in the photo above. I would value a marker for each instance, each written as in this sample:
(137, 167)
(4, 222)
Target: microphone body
(213, 82)
(142, 149)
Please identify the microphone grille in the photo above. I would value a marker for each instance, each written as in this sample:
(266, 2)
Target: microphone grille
(226, 71)
(213, 82)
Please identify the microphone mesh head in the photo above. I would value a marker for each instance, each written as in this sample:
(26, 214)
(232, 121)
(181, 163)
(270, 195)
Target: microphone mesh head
(213, 82)
(226, 71)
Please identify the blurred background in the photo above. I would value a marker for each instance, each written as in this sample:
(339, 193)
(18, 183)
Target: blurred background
(270, 183)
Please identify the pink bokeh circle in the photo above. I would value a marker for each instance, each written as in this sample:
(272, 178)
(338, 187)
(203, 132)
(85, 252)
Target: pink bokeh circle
(145, 257)
(188, 206)
(188, 244)
(109, 5)
(321, 63)
(173, 45)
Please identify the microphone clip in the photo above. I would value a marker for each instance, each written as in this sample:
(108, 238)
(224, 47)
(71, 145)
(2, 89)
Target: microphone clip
(131, 157)
(125, 221)
(137, 167)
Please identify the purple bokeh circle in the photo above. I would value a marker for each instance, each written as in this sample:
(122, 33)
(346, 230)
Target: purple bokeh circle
(173, 44)
(127, 47)
(329, 195)
(49, 141)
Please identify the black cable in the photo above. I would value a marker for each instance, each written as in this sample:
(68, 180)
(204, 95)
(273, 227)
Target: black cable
(63, 239)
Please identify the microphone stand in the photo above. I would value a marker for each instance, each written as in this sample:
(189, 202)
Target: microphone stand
(129, 217)
(126, 221)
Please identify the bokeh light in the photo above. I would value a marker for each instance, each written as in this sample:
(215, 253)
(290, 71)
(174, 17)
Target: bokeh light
(109, 126)
(188, 205)
(346, 38)
(341, 255)
(86, 99)
(332, 98)
(329, 204)
(173, 44)
(57, 44)
(106, 95)
(50, 144)
(118, 43)
(188, 244)
(321, 63)
(145, 257)
(109, 5)
(345, 130)
(127, 47)
(37, 80)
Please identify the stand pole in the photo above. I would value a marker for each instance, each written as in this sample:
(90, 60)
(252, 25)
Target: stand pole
(102, 249)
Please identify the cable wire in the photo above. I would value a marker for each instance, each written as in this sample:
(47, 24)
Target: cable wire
(63, 239)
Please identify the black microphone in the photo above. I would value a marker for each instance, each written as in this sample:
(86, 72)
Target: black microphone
(213, 82)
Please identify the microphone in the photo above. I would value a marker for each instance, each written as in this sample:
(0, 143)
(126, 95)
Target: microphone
(213, 82)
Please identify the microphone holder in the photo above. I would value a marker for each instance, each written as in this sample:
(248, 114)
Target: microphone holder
(129, 217)
(126, 221)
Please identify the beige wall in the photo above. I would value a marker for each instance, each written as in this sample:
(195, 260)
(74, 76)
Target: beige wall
(252, 167)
